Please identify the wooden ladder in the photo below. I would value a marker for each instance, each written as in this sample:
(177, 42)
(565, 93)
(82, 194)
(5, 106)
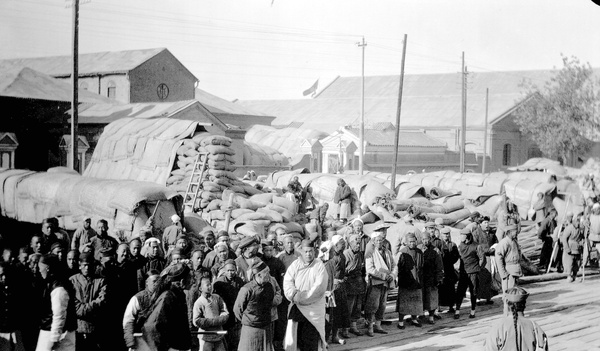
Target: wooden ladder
(195, 182)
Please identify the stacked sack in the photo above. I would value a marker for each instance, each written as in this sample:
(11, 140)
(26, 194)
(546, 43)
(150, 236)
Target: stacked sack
(217, 177)
(257, 214)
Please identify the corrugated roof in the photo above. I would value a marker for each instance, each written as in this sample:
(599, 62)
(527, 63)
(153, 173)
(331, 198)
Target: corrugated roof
(107, 113)
(98, 62)
(216, 104)
(139, 149)
(30, 84)
(285, 140)
(429, 100)
(406, 139)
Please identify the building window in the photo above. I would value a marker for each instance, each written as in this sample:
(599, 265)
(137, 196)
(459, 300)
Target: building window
(112, 90)
(506, 155)
(162, 91)
(83, 86)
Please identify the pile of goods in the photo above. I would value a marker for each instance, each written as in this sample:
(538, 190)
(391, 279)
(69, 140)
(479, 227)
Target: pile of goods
(215, 151)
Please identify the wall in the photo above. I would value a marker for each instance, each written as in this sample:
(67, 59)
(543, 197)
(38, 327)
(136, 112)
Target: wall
(99, 85)
(507, 132)
(162, 68)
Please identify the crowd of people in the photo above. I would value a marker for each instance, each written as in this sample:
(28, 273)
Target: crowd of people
(203, 291)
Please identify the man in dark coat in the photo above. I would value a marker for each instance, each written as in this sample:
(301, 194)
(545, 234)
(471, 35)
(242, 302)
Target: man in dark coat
(410, 282)
(153, 262)
(450, 254)
(355, 280)
(471, 259)
(343, 197)
(90, 299)
(340, 316)
(433, 275)
(545, 235)
(228, 286)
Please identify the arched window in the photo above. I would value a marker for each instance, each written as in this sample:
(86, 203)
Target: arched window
(506, 154)
(112, 90)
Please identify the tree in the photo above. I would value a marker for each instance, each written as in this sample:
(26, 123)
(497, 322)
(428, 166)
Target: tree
(562, 116)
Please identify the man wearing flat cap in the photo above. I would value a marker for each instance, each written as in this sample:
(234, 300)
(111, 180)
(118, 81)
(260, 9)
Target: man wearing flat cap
(450, 255)
(304, 285)
(508, 260)
(90, 299)
(382, 229)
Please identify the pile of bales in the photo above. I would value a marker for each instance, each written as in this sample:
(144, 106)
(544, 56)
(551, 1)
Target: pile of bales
(216, 153)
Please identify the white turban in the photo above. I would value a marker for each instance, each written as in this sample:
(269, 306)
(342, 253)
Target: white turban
(175, 218)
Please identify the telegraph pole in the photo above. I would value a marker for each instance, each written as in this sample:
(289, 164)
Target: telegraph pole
(361, 151)
(397, 136)
(75, 97)
(463, 127)
(485, 130)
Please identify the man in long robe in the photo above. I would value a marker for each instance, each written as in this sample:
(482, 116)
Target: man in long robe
(304, 285)
(450, 254)
(433, 275)
(508, 257)
(355, 281)
(410, 282)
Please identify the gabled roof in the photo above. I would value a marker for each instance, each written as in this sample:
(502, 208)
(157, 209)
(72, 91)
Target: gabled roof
(216, 104)
(386, 137)
(29, 84)
(107, 113)
(428, 101)
(285, 140)
(89, 64)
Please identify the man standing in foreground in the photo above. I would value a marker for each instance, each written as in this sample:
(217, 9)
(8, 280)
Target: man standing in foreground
(508, 255)
(304, 285)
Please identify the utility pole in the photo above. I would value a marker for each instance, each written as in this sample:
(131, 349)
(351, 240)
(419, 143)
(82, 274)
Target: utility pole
(75, 97)
(485, 131)
(397, 136)
(361, 151)
(463, 127)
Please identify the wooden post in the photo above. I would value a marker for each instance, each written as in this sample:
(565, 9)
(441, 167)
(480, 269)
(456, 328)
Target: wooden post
(485, 131)
(398, 111)
(75, 97)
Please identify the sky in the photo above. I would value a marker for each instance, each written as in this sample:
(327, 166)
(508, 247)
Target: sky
(275, 49)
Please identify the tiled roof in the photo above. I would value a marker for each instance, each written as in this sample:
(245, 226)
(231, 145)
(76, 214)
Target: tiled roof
(216, 104)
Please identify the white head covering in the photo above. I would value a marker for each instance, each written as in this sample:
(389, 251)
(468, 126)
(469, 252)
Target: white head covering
(376, 234)
(175, 218)
(336, 239)
(358, 220)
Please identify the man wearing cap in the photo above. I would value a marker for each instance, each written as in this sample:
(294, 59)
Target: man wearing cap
(83, 235)
(572, 247)
(304, 285)
(508, 258)
(167, 326)
(381, 273)
(381, 228)
(253, 308)
(228, 285)
(433, 276)
(209, 240)
(58, 321)
(450, 254)
(248, 247)
(507, 216)
(471, 260)
(102, 240)
(221, 251)
(170, 234)
(514, 331)
(355, 280)
(545, 231)
(90, 299)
